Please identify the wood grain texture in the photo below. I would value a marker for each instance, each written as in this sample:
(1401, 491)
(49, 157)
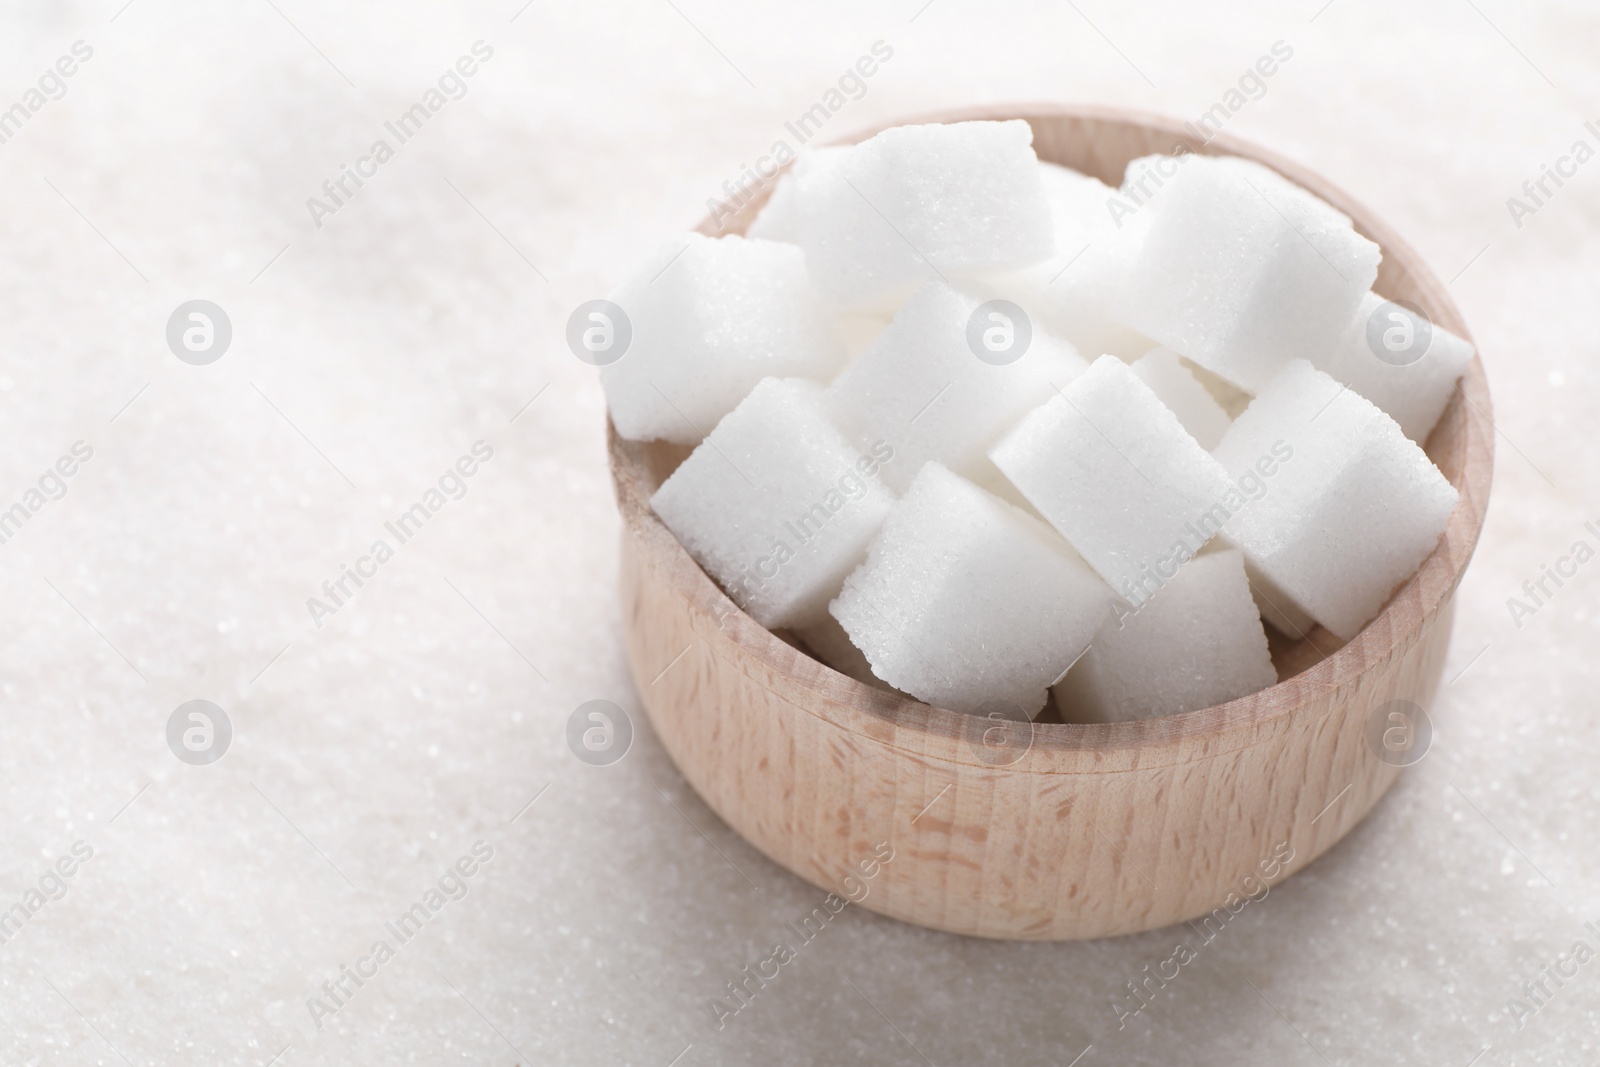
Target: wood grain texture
(1090, 830)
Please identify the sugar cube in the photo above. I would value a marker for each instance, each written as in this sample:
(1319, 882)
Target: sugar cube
(1403, 363)
(1116, 473)
(1237, 273)
(951, 201)
(1182, 393)
(964, 601)
(1279, 190)
(710, 318)
(921, 388)
(1197, 644)
(1145, 177)
(775, 504)
(1354, 509)
(779, 218)
(1066, 291)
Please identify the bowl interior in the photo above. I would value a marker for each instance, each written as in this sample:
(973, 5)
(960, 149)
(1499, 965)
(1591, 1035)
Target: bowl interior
(1101, 142)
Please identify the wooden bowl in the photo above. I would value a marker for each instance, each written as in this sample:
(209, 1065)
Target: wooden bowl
(1057, 830)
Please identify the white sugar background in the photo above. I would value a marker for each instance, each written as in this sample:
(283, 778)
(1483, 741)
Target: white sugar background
(406, 729)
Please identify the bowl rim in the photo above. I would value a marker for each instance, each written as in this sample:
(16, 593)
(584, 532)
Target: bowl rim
(1246, 721)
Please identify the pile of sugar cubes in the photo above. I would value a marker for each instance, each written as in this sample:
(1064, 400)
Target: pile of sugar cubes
(977, 428)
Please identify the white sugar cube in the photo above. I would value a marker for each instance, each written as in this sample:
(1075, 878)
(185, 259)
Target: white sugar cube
(1197, 644)
(1352, 511)
(955, 200)
(1279, 190)
(779, 217)
(1404, 364)
(964, 601)
(922, 389)
(710, 318)
(1066, 291)
(1116, 473)
(1237, 273)
(1144, 178)
(775, 504)
(1181, 391)
(1077, 205)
